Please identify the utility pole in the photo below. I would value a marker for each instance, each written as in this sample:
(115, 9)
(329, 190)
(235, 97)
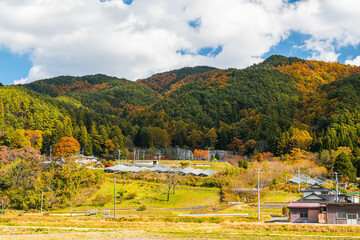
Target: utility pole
(143, 154)
(299, 177)
(119, 155)
(114, 198)
(159, 156)
(70, 204)
(134, 155)
(189, 157)
(258, 185)
(307, 183)
(209, 155)
(50, 152)
(42, 200)
(2, 207)
(337, 187)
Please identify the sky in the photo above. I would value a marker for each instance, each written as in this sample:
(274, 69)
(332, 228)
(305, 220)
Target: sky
(137, 38)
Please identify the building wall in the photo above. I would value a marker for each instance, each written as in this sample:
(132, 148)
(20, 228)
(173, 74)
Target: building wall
(312, 213)
(332, 211)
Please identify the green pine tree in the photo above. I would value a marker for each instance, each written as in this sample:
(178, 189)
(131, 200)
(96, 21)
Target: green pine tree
(344, 166)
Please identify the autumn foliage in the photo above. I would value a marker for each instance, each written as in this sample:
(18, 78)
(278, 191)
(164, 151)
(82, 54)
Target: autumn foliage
(3, 158)
(310, 75)
(79, 86)
(202, 154)
(66, 147)
(160, 81)
(200, 77)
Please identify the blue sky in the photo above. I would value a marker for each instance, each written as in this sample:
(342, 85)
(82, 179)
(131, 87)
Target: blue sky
(137, 38)
(13, 66)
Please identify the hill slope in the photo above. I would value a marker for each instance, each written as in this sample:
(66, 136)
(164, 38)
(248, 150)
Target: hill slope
(162, 82)
(205, 107)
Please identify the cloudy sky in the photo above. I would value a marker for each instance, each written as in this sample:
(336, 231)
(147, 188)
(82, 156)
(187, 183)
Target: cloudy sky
(137, 38)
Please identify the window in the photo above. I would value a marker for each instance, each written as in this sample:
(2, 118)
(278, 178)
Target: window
(341, 215)
(304, 214)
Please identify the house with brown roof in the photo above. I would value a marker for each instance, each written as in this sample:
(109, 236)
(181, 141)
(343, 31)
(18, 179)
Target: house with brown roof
(323, 205)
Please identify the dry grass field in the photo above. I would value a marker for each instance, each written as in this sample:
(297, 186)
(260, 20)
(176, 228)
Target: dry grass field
(37, 226)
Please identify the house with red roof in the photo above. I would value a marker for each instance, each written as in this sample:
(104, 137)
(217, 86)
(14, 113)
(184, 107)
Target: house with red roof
(323, 205)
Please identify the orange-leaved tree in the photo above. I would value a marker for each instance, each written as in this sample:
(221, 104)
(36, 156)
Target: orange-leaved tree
(3, 158)
(66, 147)
(203, 154)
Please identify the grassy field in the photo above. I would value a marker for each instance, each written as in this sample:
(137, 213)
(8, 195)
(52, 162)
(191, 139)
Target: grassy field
(133, 193)
(276, 196)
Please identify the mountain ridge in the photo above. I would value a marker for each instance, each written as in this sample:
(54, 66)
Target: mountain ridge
(267, 102)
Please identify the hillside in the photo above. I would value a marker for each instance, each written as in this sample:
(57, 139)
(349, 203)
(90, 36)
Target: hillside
(203, 107)
(97, 92)
(163, 82)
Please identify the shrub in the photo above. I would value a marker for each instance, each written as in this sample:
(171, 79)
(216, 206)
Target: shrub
(243, 164)
(121, 193)
(184, 164)
(131, 195)
(141, 208)
(285, 211)
(101, 200)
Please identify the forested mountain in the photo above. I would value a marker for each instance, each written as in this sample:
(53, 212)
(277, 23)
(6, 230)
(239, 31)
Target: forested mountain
(162, 82)
(277, 105)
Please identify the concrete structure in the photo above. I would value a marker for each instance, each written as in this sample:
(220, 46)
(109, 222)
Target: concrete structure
(185, 154)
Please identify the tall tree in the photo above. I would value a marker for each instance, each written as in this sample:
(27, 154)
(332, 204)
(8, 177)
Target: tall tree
(344, 166)
(96, 139)
(212, 137)
(85, 141)
(158, 138)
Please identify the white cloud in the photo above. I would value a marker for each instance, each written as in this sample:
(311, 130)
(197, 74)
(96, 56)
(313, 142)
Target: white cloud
(35, 73)
(134, 41)
(355, 61)
(321, 50)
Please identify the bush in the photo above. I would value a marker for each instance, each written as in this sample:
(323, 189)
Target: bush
(101, 200)
(285, 211)
(131, 195)
(121, 193)
(285, 187)
(243, 164)
(184, 164)
(141, 208)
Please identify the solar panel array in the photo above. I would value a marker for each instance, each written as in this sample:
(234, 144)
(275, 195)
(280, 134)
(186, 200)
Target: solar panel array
(161, 169)
(305, 179)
